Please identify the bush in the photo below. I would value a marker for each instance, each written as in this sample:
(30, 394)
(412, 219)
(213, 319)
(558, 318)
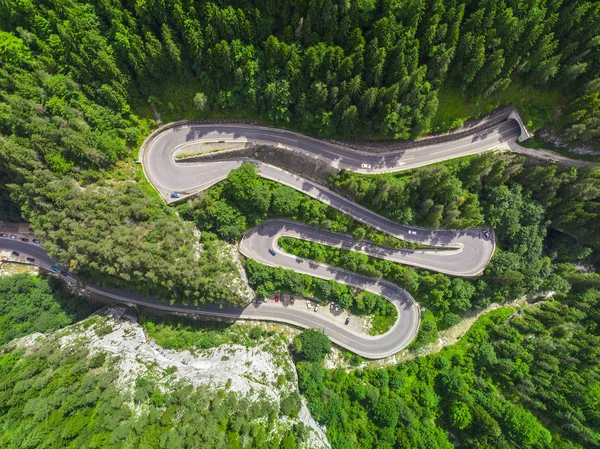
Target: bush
(290, 406)
(312, 345)
(255, 333)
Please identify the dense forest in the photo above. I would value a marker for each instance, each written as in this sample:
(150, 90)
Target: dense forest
(544, 216)
(57, 396)
(332, 69)
(77, 83)
(29, 305)
(75, 80)
(527, 379)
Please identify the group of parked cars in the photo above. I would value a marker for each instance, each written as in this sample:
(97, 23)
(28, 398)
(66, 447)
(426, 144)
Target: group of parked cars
(30, 259)
(23, 239)
(280, 298)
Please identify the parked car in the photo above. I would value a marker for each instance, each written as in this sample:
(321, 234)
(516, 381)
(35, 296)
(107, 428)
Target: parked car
(175, 195)
(347, 321)
(316, 307)
(331, 306)
(36, 241)
(16, 254)
(365, 166)
(64, 273)
(258, 301)
(308, 305)
(486, 233)
(337, 308)
(54, 269)
(412, 232)
(23, 239)
(276, 298)
(3, 235)
(292, 299)
(266, 299)
(272, 251)
(12, 236)
(30, 259)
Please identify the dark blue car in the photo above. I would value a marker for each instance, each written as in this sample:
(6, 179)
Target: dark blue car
(272, 251)
(176, 195)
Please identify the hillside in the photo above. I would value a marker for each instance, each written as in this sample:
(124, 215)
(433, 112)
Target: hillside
(109, 385)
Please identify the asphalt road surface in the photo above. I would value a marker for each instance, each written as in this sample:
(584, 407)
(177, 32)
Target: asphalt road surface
(459, 253)
(401, 334)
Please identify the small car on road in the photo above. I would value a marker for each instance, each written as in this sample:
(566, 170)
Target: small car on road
(331, 306)
(308, 305)
(3, 235)
(316, 307)
(347, 321)
(486, 233)
(16, 254)
(54, 269)
(412, 232)
(23, 239)
(175, 195)
(30, 259)
(365, 165)
(272, 251)
(292, 299)
(64, 273)
(276, 298)
(36, 241)
(12, 236)
(258, 302)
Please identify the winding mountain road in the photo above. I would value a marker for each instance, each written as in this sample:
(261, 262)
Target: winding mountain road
(458, 253)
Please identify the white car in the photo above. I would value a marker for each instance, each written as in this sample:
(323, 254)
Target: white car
(365, 166)
(316, 307)
(308, 305)
(411, 232)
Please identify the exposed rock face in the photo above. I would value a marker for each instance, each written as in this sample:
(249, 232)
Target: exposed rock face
(263, 372)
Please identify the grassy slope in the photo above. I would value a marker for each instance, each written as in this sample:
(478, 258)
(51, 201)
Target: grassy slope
(539, 107)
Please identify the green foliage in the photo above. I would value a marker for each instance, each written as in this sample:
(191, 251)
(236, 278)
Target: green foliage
(311, 345)
(522, 203)
(9, 210)
(527, 379)
(330, 70)
(181, 334)
(269, 280)
(431, 196)
(61, 397)
(290, 406)
(245, 199)
(537, 106)
(120, 236)
(29, 304)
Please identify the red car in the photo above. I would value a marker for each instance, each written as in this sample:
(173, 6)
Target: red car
(276, 298)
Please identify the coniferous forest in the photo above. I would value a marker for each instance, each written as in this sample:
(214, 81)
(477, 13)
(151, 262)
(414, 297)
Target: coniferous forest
(83, 83)
(77, 80)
